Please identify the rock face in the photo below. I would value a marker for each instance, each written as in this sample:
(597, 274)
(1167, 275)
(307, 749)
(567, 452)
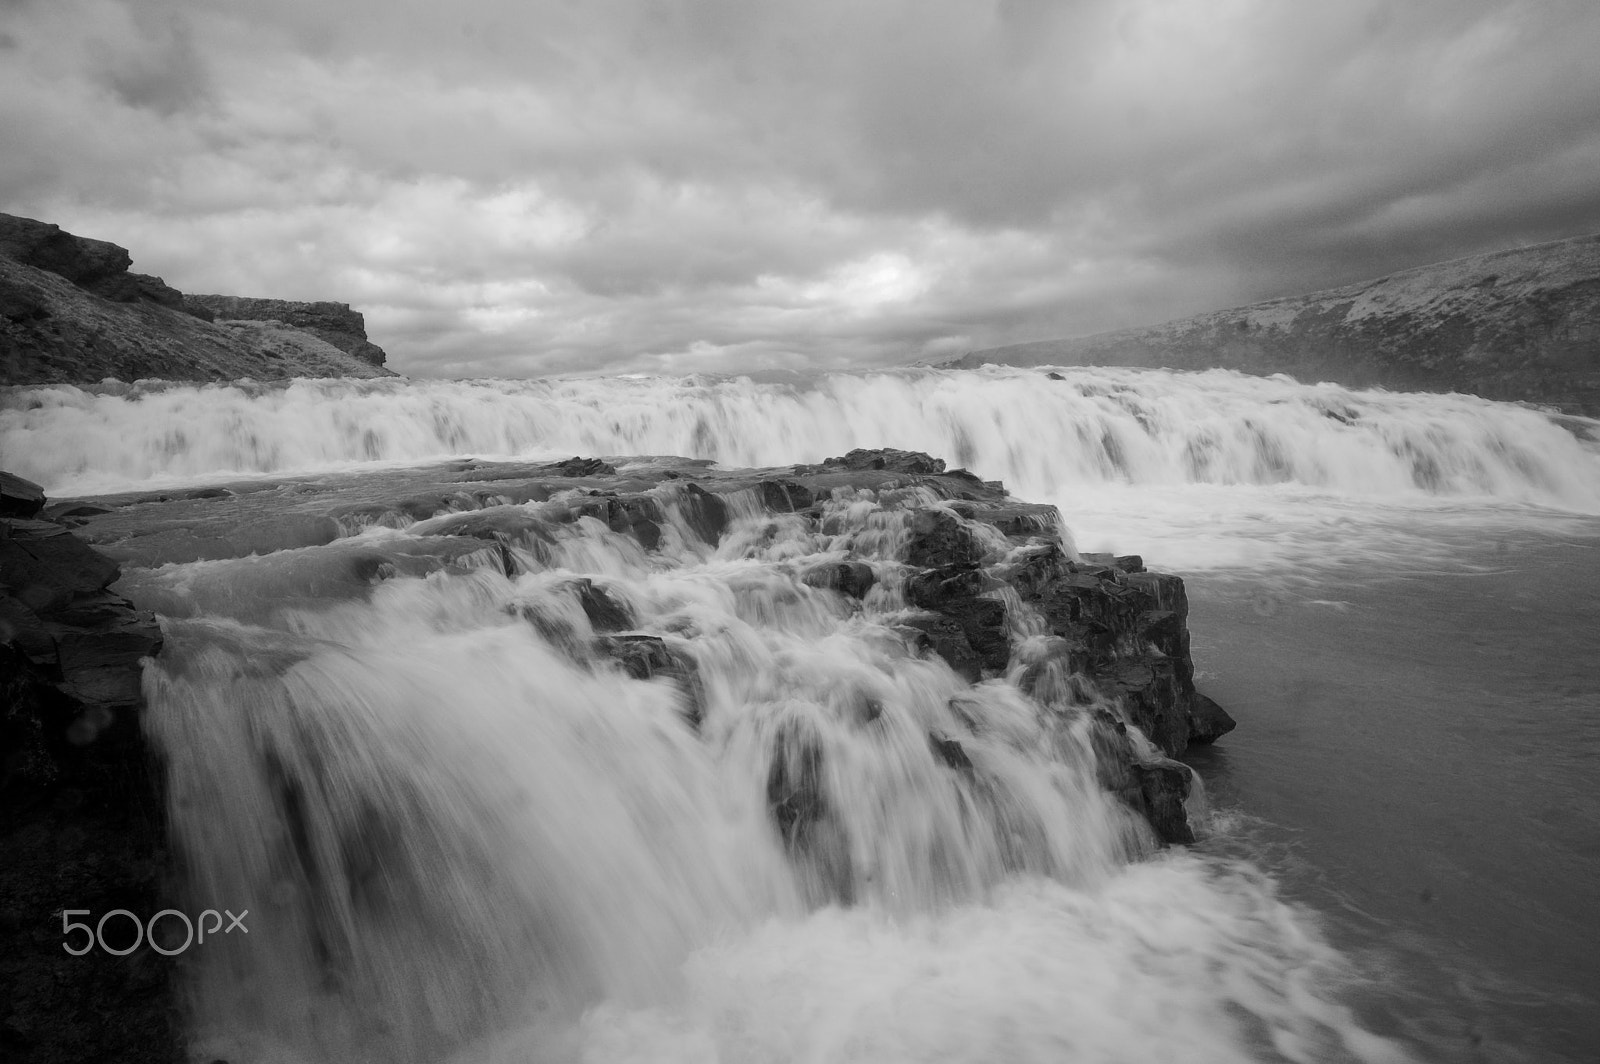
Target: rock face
(71, 313)
(335, 323)
(80, 823)
(1513, 325)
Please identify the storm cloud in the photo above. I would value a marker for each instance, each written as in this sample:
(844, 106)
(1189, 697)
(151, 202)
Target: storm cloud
(516, 188)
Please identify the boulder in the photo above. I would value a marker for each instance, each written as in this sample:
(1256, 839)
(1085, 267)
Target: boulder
(853, 579)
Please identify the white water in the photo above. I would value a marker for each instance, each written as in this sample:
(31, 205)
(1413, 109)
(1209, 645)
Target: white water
(500, 853)
(463, 838)
(1099, 426)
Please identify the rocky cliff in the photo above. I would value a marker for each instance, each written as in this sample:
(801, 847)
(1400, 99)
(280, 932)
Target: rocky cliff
(1513, 325)
(334, 323)
(71, 312)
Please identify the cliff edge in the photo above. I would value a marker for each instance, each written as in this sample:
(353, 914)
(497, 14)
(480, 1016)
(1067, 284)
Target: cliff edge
(72, 312)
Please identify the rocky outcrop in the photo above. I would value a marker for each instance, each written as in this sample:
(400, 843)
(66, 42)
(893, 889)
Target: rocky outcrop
(334, 323)
(958, 580)
(80, 822)
(1514, 325)
(72, 313)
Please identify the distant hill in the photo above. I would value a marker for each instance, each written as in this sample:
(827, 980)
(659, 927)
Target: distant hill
(1517, 325)
(72, 313)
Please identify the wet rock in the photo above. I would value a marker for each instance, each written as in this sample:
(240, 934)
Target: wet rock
(585, 467)
(45, 567)
(883, 458)
(1152, 697)
(638, 516)
(941, 589)
(798, 803)
(853, 579)
(794, 785)
(1163, 786)
(605, 613)
(946, 637)
(1016, 519)
(1208, 721)
(646, 656)
(938, 540)
(950, 752)
(784, 496)
(80, 809)
(705, 512)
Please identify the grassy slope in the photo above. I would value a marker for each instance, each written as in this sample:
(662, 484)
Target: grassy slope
(1520, 324)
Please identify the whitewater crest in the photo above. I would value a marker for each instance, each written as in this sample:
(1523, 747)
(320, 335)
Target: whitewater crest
(1042, 434)
(858, 761)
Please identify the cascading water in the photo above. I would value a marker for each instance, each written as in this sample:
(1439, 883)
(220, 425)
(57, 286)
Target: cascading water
(468, 829)
(1094, 426)
(466, 834)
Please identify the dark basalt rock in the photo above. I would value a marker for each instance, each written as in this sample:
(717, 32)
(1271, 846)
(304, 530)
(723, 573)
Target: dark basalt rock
(585, 467)
(784, 496)
(18, 497)
(635, 515)
(1163, 786)
(645, 656)
(946, 637)
(798, 803)
(707, 514)
(80, 819)
(853, 579)
(938, 589)
(939, 541)
(605, 613)
(885, 458)
(1015, 519)
(1208, 721)
(950, 751)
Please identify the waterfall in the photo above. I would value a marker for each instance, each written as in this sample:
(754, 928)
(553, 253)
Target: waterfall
(1093, 426)
(467, 828)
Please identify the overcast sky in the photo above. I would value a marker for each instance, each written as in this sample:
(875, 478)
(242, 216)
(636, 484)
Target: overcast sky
(517, 187)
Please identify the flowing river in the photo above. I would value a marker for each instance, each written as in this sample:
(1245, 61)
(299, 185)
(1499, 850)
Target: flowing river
(499, 854)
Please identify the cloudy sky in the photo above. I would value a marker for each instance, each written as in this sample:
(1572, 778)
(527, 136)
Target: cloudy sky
(516, 187)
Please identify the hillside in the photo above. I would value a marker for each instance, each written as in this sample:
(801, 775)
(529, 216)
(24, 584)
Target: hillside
(1516, 325)
(71, 312)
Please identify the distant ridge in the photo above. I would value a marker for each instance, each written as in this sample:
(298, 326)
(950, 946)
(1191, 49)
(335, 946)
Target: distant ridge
(1522, 324)
(71, 312)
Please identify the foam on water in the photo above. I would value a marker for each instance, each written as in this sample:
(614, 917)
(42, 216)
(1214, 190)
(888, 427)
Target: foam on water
(462, 834)
(1042, 436)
